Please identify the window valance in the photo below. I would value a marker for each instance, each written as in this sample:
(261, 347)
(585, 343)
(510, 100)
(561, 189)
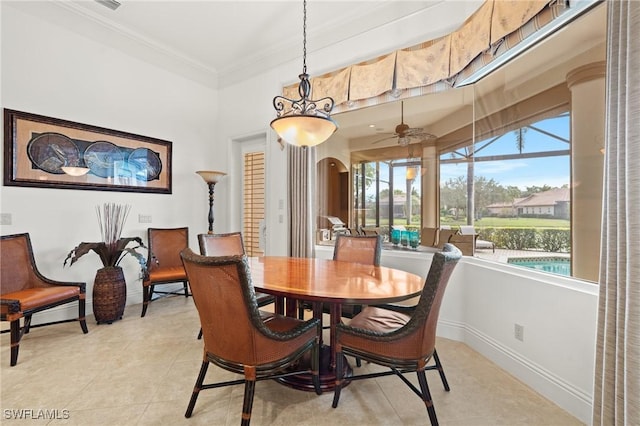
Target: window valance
(434, 65)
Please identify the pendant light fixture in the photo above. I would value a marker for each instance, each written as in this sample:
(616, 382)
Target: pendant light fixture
(303, 122)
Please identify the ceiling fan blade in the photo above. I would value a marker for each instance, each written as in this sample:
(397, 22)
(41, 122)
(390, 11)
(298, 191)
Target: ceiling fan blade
(423, 135)
(414, 130)
(384, 139)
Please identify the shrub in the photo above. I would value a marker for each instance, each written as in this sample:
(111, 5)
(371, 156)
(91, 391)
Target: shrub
(554, 239)
(551, 240)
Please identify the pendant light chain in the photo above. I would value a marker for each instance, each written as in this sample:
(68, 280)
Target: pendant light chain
(304, 37)
(303, 122)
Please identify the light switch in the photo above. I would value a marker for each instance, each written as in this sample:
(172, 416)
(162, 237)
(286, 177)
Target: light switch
(144, 218)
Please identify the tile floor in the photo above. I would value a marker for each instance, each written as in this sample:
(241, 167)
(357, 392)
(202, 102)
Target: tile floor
(141, 371)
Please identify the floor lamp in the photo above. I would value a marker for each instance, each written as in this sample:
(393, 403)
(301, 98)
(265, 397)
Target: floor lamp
(211, 178)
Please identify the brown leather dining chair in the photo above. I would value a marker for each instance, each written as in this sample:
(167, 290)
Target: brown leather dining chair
(164, 265)
(25, 291)
(402, 342)
(229, 244)
(237, 338)
(364, 249)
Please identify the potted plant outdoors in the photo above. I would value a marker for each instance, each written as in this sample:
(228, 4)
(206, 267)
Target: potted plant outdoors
(110, 287)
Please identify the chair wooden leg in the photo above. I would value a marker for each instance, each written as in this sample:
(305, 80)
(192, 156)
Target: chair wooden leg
(15, 341)
(197, 388)
(315, 366)
(247, 405)
(146, 297)
(27, 324)
(339, 372)
(440, 369)
(81, 316)
(426, 397)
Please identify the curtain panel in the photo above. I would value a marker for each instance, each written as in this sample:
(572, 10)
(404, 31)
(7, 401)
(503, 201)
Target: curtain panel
(302, 189)
(616, 399)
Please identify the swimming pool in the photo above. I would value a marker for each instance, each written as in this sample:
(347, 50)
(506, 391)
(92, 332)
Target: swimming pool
(553, 264)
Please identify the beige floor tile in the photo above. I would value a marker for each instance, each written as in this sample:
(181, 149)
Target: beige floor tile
(141, 371)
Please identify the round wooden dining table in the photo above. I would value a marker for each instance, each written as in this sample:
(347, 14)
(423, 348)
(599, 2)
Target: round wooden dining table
(333, 283)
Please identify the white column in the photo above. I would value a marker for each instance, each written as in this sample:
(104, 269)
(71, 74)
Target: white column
(587, 86)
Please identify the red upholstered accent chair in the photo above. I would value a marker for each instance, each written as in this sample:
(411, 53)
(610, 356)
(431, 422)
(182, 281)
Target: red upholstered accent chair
(236, 337)
(230, 244)
(24, 291)
(164, 264)
(402, 342)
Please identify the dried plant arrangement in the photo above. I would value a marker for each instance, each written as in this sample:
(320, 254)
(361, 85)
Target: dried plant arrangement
(113, 247)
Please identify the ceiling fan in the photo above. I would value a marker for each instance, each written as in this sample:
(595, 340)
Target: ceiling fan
(404, 133)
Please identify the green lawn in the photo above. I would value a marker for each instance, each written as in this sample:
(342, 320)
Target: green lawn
(503, 222)
(490, 222)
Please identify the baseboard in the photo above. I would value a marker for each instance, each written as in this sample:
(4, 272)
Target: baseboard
(553, 387)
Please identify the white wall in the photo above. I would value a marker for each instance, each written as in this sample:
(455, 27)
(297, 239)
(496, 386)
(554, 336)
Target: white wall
(51, 71)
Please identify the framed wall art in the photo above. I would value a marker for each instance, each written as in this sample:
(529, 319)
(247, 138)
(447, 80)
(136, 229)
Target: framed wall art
(49, 152)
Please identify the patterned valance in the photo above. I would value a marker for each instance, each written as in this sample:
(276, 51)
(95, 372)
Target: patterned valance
(434, 65)
(335, 85)
(373, 78)
(423, 65)
(510, 15)
(471, 39)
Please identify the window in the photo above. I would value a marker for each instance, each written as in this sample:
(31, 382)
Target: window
(253, 201)
(387, 193)
(520, 184)
(521, 146)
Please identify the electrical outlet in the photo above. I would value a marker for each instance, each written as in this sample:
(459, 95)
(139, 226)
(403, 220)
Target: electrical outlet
(144, 218)
(518, 332)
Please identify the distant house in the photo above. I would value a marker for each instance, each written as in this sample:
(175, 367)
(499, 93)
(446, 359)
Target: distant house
(553, 203)
(507, 209)
(399, 205)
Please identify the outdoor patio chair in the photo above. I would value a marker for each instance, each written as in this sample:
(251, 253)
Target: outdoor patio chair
(480, 244)
(429, 237)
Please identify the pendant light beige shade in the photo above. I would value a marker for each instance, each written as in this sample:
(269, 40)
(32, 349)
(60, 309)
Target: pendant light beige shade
(304, 130)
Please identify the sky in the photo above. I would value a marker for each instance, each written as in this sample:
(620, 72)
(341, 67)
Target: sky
(523, 173)
(552, 171)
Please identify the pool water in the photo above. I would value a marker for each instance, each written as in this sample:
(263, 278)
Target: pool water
(556, 265)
